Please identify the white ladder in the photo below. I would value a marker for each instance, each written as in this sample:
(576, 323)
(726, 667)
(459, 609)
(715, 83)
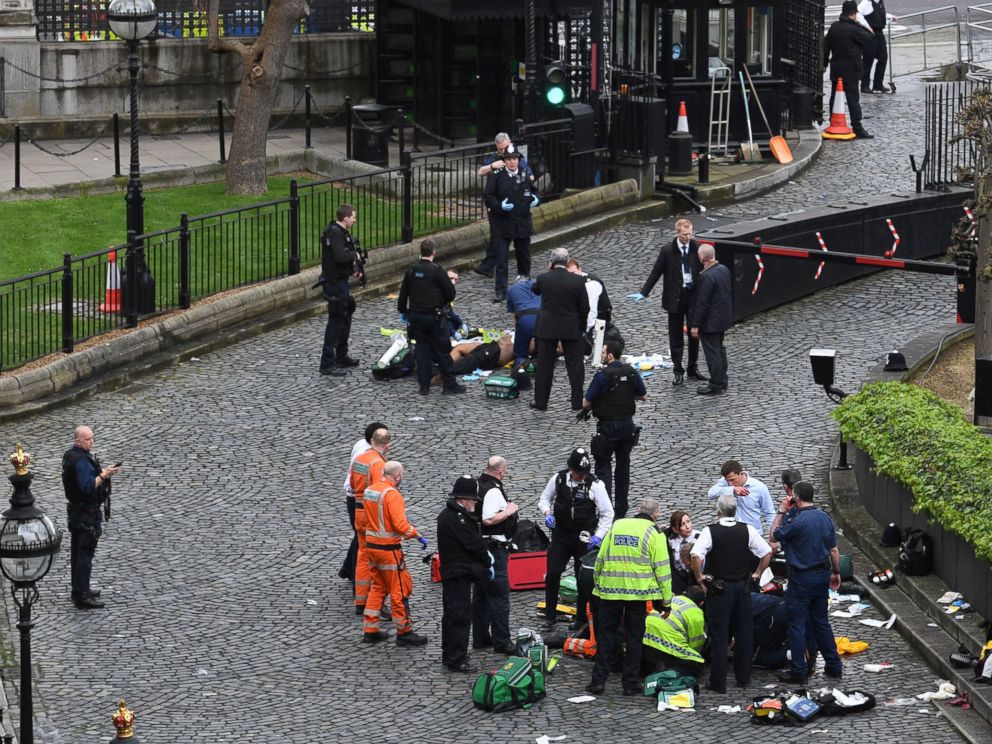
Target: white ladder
(719, 110)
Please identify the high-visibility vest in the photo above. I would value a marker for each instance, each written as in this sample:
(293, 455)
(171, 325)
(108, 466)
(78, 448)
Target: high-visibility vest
(366, 469)
(633, 563)
(386, 524)
(680, 634)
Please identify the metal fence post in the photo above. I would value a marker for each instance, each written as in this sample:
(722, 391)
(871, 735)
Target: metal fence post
(67, 309)
(117, 144)
(220, 130)
(131, 281)
(347, 127)
(3, 88)
(17, 158)
(407, 230)
(185, 295)
(294, 228)
(401, 123)
(306, 145)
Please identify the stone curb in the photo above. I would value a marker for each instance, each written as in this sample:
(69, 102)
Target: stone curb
(913, 598)
(105, 363)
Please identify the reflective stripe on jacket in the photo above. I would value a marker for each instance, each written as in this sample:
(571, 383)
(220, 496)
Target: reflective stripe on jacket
(633, 563)
(385, 516)
(366, 469)
(672, 634)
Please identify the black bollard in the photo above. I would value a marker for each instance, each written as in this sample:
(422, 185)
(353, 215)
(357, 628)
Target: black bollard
(704, 166)
(117, 144)
(680, 153)
(17, 158)
(306, 144)
(220, 129)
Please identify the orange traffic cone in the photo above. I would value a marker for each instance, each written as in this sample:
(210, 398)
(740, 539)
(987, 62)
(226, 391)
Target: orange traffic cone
(838, 129)
(683, 123)
(112, 294)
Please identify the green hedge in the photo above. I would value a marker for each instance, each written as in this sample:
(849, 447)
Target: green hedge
(926, 444)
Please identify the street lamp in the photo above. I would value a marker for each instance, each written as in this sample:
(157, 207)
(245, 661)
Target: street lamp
(133, 20)
(28, 544)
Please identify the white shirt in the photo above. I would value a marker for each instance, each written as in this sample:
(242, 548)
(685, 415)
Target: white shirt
(360, 446)
(492, 504)
(755, 542)
(865, 9)
(686, 275)
(594, 289)
(597, 492)
(676, 543)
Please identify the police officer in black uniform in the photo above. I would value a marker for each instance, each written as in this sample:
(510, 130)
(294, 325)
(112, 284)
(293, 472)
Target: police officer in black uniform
(611, 399)
(423, 304)
(510, 195)
(338, 262)
(578, 511)
(87, 488)
(876, 51)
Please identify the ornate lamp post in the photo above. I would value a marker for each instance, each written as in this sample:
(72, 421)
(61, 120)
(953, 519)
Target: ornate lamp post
(28, 544)
(133, 20)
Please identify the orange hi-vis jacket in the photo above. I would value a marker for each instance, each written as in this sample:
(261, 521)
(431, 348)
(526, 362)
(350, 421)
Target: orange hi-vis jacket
(366, 469)
(386, 525)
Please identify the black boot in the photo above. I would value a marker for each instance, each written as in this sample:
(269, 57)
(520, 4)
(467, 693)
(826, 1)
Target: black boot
(861, 133)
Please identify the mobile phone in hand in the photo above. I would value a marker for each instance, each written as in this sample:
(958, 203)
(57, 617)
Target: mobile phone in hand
(118, 464)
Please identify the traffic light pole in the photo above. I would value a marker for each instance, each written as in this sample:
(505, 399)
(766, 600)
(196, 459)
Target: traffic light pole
(531, 112)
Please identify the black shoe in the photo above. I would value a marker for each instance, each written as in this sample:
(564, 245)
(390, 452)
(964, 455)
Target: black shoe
(87, 602)
(834, 673)
(880, 89)
(411, 639)
(631, 691)
(464, 667)
(865, 89)
(332, 371)
(94, 593)
(484, 270)
(347, 362)
(792, 677)
(424, 391)
(377, 637)
(454, 389)
(861, 133)
(708, 390)
(679, 379)
(538, 408)
(507, 649)
(718, 690)
(693, 374)
(595, 687)
(499, 298)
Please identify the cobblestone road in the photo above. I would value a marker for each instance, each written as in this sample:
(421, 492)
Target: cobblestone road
(226, 621)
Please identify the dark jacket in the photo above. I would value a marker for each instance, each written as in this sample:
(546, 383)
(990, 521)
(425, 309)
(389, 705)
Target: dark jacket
(425, 288)
(714, 301)
(669, 266)
(459, 543)
(844, 47)
(338, 254)
(564, 305)
(519, 189)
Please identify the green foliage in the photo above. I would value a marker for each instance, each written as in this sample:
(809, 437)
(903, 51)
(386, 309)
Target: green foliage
(926, 444)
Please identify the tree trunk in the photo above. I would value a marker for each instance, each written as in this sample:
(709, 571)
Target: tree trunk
(983, 282)
(262, 68)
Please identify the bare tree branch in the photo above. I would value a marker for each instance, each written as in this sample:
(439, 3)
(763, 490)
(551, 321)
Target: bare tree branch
(217, 45)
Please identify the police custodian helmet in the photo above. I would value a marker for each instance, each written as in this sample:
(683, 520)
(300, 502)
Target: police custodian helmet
(579, 460)
(465, 487)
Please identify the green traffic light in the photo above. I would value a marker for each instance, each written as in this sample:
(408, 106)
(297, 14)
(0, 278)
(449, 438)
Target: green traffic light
(555, 95)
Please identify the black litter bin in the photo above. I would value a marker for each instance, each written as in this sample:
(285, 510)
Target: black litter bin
(370, 133)
(802, 107)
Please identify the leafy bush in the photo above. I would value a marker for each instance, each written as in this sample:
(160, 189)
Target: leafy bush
(926, 444)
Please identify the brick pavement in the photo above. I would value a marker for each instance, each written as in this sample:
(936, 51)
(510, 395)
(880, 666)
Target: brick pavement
(226, 620)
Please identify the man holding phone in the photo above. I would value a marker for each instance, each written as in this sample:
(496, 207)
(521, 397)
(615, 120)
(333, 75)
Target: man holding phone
(87, 489)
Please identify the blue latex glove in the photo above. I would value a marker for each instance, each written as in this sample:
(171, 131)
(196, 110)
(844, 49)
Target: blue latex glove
(636, 297)
(492, 574)
(457, 336)
(534, 202)
(595, 541)
(550, 521)
(403, 319)
(507, 206)
(423, 541)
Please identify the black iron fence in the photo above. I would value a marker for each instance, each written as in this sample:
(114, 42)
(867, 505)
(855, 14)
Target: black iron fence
(166, 270)
(951, 159)
(86, 20)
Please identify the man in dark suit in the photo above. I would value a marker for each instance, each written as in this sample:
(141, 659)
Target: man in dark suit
(679, 264)
(562, 318)
(712, 316)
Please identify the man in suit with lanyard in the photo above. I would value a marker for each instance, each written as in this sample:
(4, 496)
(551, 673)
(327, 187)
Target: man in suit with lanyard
(562, 318)
(678, 263)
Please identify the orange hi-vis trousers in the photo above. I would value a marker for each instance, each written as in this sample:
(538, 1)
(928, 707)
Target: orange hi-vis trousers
(363, 579)
(389, 578)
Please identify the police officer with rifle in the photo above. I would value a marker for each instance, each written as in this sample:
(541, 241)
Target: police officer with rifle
(611, 398)
(340, 259)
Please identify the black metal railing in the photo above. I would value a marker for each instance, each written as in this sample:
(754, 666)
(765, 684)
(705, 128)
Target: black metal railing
(86, 20)
(637, 115)
(549, 154)
(951, 158)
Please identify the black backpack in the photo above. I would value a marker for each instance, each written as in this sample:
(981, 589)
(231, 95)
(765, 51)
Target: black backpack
(916, 553)
(529, 538)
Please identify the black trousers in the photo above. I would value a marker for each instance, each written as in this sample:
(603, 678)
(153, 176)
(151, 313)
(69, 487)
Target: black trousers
(565, 546)
(501, 268)
(617, 440)
(877, 51)
(339, 310)
(655, 660)
(491, 603)
(676, 335)
(83, 548)
(616, 620)
(546, 354)
(433, 345)
(347, 570)
(729, 616)
(716, 358)
(456, 598)
(853, 93)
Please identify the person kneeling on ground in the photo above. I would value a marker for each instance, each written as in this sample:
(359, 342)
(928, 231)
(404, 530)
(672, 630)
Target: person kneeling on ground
(676, 642)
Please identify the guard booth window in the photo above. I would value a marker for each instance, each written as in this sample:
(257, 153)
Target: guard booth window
(759, 40)
(721, 39)
(683, 43)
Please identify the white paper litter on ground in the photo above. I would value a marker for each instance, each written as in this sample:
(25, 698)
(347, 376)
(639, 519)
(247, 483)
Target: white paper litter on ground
(545, 739)
(581, 699)
(848, 701)
(945, 691)
(949, 597)
(879, 623)
(729, 709)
